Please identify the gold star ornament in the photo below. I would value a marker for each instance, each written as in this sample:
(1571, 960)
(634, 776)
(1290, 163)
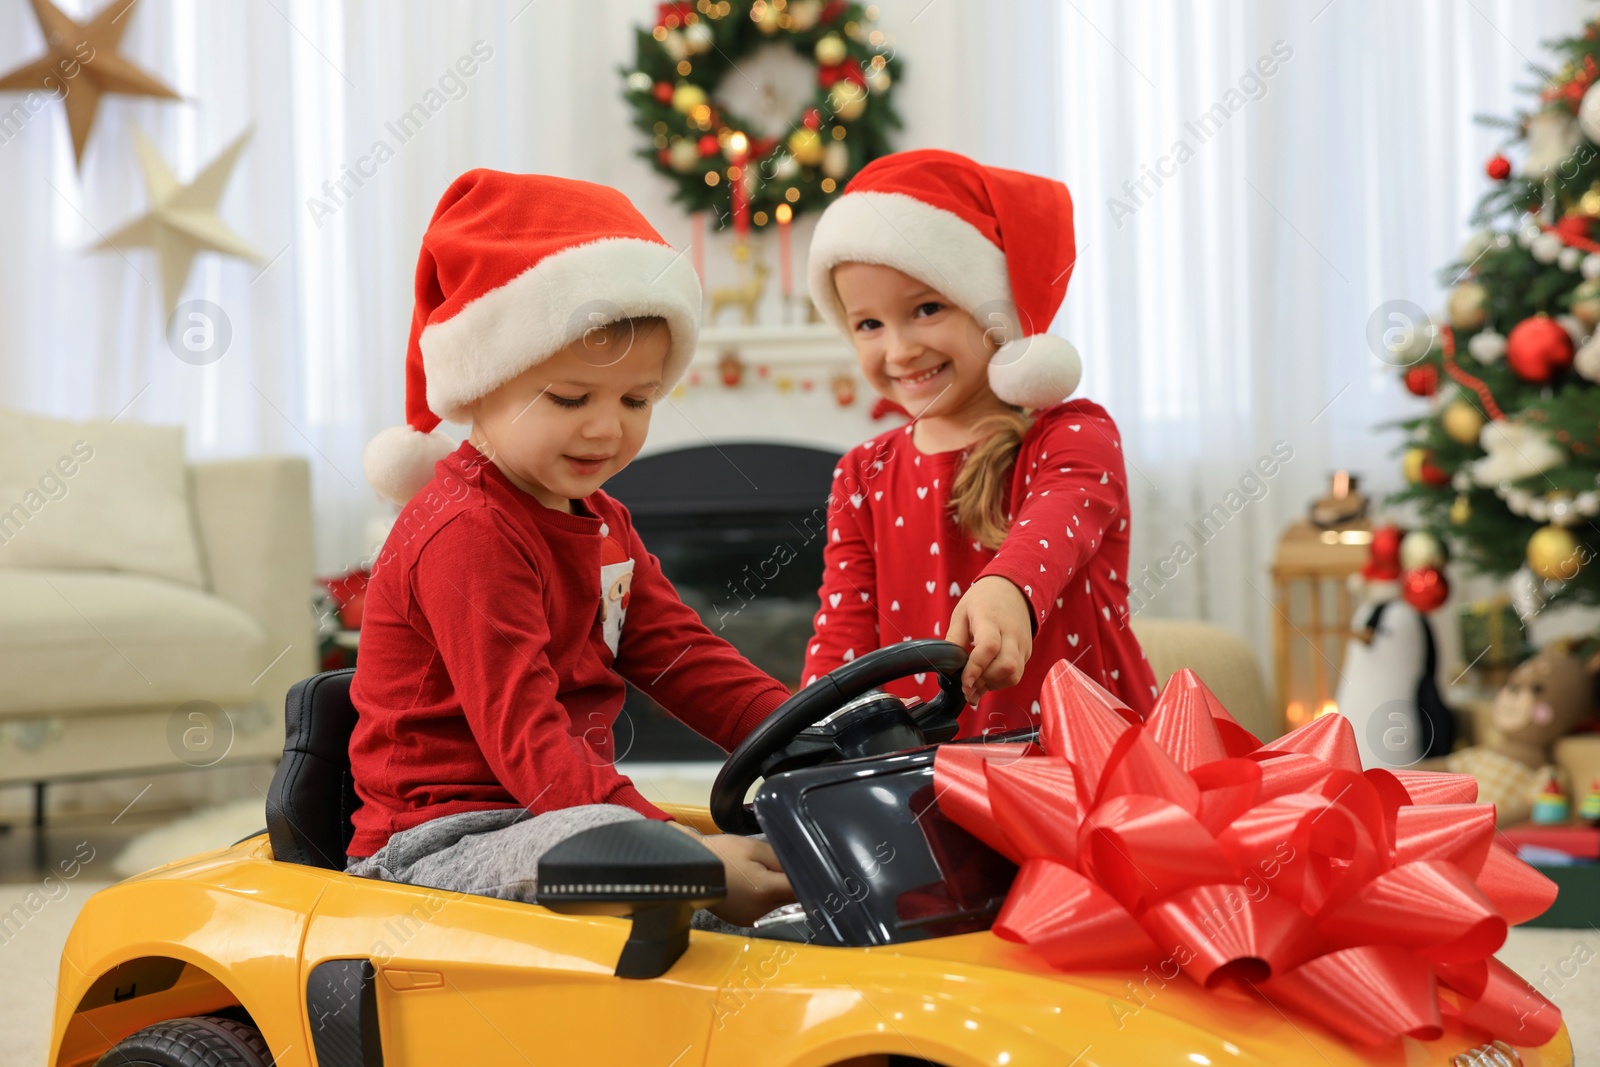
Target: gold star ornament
(182, 220)
(80, 65)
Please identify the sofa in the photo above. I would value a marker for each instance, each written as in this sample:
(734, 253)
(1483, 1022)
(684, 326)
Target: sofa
(153, 612)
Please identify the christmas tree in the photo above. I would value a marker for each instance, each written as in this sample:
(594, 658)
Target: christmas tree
(1505, 466)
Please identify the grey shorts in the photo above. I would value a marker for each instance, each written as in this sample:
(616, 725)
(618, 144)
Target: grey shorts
(493, 853)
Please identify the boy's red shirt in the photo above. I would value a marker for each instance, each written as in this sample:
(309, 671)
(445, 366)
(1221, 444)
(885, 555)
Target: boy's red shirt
(896, 562)
(496, 639)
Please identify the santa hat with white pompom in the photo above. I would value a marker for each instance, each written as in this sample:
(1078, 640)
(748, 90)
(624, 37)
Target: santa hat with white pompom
(997, 242)
(515, 267)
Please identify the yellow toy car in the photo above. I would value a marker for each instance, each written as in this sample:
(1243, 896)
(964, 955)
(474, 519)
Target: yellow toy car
(267, 953)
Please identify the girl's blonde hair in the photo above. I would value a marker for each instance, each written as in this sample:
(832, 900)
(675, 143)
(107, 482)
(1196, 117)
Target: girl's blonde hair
(981, 494)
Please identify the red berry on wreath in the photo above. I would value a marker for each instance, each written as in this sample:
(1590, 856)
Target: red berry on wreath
(812, 119)
(708, 145)
(663, 92)
(1499, 168)
(1423, 380)
(1433, 474)
(1425, 588)
(1538, 348)
(664, 157)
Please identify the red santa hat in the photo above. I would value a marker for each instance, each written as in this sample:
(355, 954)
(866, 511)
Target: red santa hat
(1383, 558)
(997, 242)
(514, 267)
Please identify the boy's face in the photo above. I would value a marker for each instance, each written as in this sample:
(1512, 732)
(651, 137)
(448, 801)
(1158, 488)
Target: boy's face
(562, 427)
(915, 347)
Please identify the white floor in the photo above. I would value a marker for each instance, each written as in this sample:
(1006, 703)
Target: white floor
(1564, 964)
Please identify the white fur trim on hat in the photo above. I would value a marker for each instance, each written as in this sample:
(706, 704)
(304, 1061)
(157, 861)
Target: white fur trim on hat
(548, 306)
(400, 461)
(933, 245)
(1035, 372)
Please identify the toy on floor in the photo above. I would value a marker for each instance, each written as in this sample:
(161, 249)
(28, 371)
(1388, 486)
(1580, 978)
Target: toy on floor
(1542, 701)
(1550, 806)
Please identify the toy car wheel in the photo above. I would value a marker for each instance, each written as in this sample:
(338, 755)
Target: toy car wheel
(201, 1041)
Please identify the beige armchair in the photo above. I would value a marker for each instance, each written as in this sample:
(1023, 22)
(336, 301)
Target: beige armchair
(1222, 660)
(115, 673)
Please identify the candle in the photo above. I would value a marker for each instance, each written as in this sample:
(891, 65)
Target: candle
(739, 149)
(784, 214)
(697, 245)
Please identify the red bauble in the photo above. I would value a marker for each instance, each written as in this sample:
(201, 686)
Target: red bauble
(708, 145)
(812, 119)
(1425, 588)
(1499, 168)
(1433, 474)
(1538, 348)
(1423, 380)
(663, 92)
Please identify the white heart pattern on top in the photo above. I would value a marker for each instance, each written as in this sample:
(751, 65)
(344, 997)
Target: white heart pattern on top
(922, 492)
(918, 677)
(863, 598)
(1072, 639)
(900, 520)
(930, 585)
(1114, 675)
(855, 499)
(895, 606)
(955, 589)
(834, 598)
(933, 550)
(1107, 613)
(1043, 543)
(849, 654)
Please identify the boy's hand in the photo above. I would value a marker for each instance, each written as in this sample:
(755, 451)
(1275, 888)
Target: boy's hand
(756, 884)
(994, 620)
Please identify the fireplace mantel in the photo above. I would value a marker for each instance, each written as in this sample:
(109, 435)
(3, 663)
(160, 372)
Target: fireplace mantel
(774, 409)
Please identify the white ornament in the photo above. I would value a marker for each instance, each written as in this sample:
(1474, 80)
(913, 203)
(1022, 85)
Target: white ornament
(1546, 247)
(1587, 503)
(1574, 327)
(1487, 346)
(1589, 113)
(836, 160)
(1502, 240)
(1529, 234)
(1461, 480)
(639, 81)
(698, 37)
(1515, 451)
(1477, 245)
(1526, 597)
(1419, 548)
(1590, 267)
(1563, 511)
(1553, 134)
(675, 46)
(1539, 509)
(1587, 360)
(683, 156)
(1569, 259)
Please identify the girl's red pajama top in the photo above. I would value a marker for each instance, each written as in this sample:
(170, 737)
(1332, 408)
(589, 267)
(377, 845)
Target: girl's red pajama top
(897, 562)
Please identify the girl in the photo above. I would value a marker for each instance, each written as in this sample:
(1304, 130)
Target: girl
(998, 518)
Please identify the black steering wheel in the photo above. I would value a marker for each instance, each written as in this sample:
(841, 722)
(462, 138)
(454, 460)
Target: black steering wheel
(843, 715)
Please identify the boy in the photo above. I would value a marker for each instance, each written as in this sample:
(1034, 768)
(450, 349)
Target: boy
(512, 597)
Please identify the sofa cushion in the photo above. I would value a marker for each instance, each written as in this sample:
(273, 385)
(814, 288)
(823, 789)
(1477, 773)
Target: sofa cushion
(72, 639)
(96, 496)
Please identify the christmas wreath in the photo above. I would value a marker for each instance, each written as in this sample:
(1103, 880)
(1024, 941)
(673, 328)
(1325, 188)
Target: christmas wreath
(740, 169)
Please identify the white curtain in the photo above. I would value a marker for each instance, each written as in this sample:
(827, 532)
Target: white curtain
(1224, 313)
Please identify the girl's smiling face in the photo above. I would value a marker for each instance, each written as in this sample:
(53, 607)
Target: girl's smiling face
(916, 347)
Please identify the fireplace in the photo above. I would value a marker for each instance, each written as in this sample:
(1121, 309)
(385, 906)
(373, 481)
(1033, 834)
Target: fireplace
(739, 530)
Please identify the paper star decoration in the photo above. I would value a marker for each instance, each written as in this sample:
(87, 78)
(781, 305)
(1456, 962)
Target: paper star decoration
(80, 64)
(182, 221)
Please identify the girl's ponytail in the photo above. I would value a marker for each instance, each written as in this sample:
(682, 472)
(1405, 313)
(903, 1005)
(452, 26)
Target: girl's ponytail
(982, 488)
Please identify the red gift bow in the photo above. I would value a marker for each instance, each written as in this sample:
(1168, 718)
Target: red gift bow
(1372, 901)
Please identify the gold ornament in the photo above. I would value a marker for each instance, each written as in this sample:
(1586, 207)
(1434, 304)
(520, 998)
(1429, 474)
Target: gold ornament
(1467, 308)
(1411, 463)
(1586, 302)
(1553, 554)
(684, 155)
(80, 64)
(182, 221)
(1462, 422)
(847, 100)
(687, 96)
(1461, 510)
(1589, 202)
(830, 51)
(806, 146)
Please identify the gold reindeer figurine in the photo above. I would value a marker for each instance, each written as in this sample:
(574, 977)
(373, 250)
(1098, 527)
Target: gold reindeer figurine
(745, 296)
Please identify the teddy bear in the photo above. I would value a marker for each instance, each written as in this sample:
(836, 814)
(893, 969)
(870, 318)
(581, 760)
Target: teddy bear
(1544, 698)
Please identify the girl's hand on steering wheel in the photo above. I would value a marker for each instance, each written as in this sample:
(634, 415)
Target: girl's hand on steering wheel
(994, 620)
